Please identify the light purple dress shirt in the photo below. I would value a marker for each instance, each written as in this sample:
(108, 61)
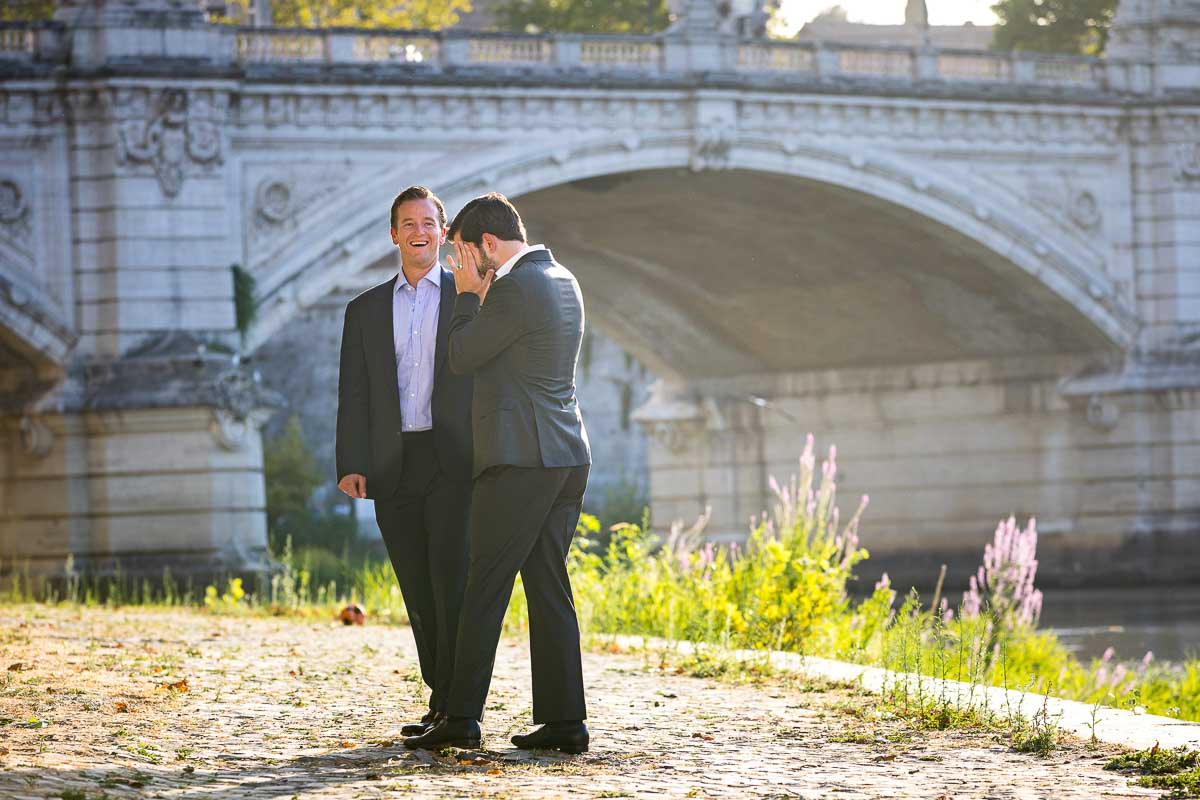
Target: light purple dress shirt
(414, 325)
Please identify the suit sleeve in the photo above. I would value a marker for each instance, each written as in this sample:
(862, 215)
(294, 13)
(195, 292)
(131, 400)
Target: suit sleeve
(480, 333)
(353, 412)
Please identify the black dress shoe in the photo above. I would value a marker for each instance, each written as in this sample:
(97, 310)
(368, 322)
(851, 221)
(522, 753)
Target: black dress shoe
(447, 732)
(417, 728)
(569, 737)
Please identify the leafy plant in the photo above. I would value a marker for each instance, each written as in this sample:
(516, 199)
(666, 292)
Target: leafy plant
(1177, 770)
(244, 304)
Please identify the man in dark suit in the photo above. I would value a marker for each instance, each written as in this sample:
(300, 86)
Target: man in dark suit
(517, 327)
(404, 434)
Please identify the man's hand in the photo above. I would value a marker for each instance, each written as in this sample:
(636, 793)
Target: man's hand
(354, 485)
(467, 277)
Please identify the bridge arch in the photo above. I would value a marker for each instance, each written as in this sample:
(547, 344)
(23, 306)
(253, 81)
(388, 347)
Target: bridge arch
(977, 215)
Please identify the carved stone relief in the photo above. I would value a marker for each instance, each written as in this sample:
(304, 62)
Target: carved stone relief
(15, 227)
(169, 139)
(238, 410)
(1187, 162)
(280, 193)
(714, 134)
(711, 147)
(1065, 195)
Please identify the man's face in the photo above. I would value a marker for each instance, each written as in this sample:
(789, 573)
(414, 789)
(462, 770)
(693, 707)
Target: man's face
(486, 261)
(418, 232)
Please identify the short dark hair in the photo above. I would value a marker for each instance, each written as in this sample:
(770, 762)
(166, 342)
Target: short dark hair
(417, 193)
(492, 213)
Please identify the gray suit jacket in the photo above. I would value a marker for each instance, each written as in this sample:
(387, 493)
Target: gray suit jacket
(521, 347)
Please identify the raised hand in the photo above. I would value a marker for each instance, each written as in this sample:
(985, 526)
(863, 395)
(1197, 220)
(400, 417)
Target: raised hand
(467, 275)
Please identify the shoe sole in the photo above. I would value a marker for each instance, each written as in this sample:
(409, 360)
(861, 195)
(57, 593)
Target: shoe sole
(462, 744)
(571, 749)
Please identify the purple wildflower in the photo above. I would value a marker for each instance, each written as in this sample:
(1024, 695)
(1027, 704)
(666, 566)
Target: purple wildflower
(1004, 582)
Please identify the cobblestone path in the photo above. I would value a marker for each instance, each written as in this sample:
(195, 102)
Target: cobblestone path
(181, 704)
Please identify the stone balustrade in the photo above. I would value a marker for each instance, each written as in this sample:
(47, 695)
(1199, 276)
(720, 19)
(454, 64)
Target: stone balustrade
(23, 42)
(648, 55)
(453, 49)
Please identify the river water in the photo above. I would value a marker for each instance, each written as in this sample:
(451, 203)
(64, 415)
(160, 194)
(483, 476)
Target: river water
(1165, 620)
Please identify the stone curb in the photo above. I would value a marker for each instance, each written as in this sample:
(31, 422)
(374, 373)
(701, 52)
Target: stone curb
(1113, 725)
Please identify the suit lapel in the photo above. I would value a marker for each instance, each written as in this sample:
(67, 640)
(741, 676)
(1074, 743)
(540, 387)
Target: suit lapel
(385, 324)
(445, 312)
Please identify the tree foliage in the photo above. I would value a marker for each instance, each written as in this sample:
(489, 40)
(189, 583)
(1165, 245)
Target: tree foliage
(291, 473)
(26, 10)
(583, 16)
(396, 14)
(1076, 27)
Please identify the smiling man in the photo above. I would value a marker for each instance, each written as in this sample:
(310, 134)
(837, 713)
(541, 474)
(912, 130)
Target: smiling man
(404, 433)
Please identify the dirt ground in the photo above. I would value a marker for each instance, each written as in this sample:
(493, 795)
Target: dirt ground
(182, 704)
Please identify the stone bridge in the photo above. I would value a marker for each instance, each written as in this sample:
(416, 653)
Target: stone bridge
(977, 273)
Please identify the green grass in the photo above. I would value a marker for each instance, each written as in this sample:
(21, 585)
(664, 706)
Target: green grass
(1176, 772)
(1156, 761)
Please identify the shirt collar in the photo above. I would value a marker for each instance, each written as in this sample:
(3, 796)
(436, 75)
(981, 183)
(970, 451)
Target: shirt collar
(507, 266)
(434, 276)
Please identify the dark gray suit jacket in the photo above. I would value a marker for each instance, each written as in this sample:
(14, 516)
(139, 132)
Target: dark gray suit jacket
(522, 347)
(369, 435)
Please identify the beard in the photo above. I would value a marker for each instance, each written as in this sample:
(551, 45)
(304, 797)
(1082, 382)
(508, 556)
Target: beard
(486, 262)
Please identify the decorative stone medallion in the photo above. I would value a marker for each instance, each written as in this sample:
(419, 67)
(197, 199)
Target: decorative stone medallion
(1187, 162)
(169, 141)
(273, 201)
(12, 201)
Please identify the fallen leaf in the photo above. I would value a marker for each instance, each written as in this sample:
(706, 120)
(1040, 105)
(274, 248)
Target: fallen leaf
(613, 647)
(3, 751)
(889, 757)
(348, 743)
(474, 761)
(493, 772)
(180, 685)
(703, 736)
(121, 707)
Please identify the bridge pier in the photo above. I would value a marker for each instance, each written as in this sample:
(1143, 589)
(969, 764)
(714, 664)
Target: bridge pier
(133, 449)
